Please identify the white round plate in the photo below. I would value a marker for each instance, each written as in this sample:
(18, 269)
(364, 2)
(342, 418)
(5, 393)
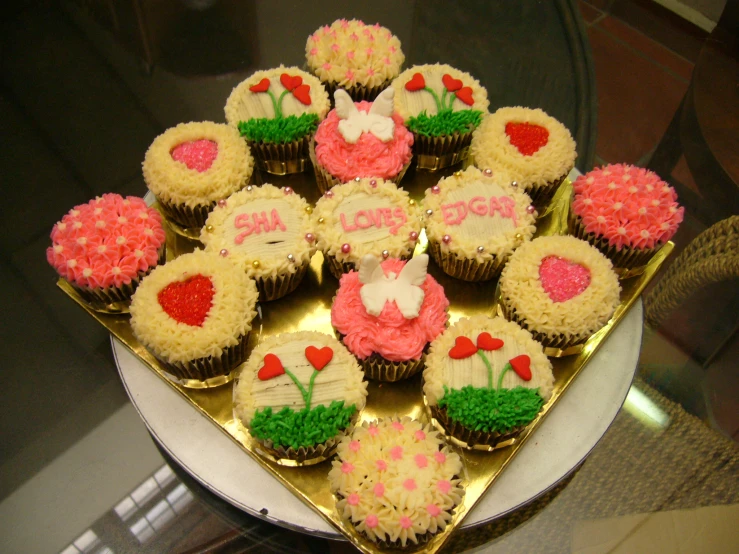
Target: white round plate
(562, 441)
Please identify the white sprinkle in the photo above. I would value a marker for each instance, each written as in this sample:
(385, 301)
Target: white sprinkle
(621, 231)
(77, 225)
(138, 253)
(100, 224)
(71, 263)
(655, 202)
(87, 272)
(633, 190)
(617, 206)
(61, 226)
(644, 234)
(116, 270)
(120, 240)
(642, 211)
(612, 185)
(625, 177)
(82, 241)
(600, 219)
(102, 248)
(74, 213)
(143, 215)
(58, 248)
(122, 219)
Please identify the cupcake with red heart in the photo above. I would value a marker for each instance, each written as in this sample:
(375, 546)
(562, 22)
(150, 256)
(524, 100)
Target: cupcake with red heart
(298, 394)
(194, 315)
(277, 111)
(533, 148)
(485, 380)
(560, 288)
(441, 106)
(193, 165)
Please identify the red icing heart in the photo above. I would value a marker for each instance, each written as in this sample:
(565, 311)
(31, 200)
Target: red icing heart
(522, 366)
(465, 95)
(302, 93)
(416, 83)
(527, 137)
(290, 82)
(197, 154)
(463, 348)
(272, 368)
(486, 342)
(261, 86)
(319, 358)
(451, 83)
(563, 279)
(188, 301)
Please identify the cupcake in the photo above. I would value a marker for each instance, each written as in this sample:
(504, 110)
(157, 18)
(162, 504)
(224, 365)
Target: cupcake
(193, 165)
(533, 148)
(441, 106)
(560, 289)
(267, 232)
(194, 315)
(365, 216)
(361, 140)
(298, 394)
(387, 313)
(361, 59)
(474, 222)
(396, 482)
(626, 212)
(105, 247)
(277, 112)
(485, 380)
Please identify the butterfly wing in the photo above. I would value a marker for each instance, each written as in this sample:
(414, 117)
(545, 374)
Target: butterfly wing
(383, 104)
(344, 104)
(374, 285)
(409, 294)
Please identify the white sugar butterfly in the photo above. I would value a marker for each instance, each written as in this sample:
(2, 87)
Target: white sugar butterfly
(404, 289)
(377, 121)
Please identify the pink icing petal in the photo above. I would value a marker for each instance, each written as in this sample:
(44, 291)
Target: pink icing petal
(562, 279)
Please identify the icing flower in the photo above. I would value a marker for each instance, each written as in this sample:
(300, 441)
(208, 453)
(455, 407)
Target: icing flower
(464, 348)
(293, 84)
(318, 358)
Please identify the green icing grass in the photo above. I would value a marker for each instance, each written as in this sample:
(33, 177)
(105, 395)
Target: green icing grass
(280, 130)
(308, 427)
(489, 410)
(444, 123)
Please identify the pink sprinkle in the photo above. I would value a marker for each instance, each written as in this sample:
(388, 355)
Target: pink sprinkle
(381, 465)
(433, 510)
(335, 47)
(314, 38)
(440, 457)
(354, 446)
(370, 51)
(346, 467)
(396, 452)
(398, 426)
(370, 71)
(420, 435)
(354, 36)
(387, 61)
(376, 26)
(326, 66)
(353, 499)
(405, 522)
(409, 484)
(198, 154)
(350, 55)
(393, 49)
(379, 490)
(444, 486)
(367, 32)
(563, 279)
(371, 521)
(373, 430)
(344, 24)
(313, 51)
(421, 460)
(350, 75)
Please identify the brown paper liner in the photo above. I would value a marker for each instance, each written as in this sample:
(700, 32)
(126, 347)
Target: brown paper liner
(281, 159)
(209, 367)
(541, 194)
(469, 437)
(190, 218)
(338, 268)
(465, 269)
(357, 92)
(434, 153)
(634, 260)
(378, 368)
(272, 288)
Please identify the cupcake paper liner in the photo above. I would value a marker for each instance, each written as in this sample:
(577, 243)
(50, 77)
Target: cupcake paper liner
(281, 159)
(433, 153)
(378, 368)
(468, 436)
(202, 369)
(185, 216)
(338, 268)
(272, 288)
(466, 270)
(541, 194)
(357, 92)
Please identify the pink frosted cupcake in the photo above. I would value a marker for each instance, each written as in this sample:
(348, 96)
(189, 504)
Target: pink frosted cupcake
(363, 139)
(105, 247)
(627, 212)
(387, 314)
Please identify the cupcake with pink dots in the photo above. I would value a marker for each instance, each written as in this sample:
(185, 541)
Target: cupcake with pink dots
(626, 212)
(396, 481)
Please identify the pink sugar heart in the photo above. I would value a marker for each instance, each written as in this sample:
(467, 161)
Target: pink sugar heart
(197, 154)
(562, 279)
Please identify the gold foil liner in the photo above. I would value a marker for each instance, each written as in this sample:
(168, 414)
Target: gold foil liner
(357, 93)
(191, 219)
(378, 368)
(281, 159)
(471, 439)
(272, 288)
(338, 268)
(303, 456)
(434, 153)
(464, 269)
(541, 194)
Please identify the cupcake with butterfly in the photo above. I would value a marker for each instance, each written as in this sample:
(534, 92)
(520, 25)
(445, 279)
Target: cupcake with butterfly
(485, 380)
(362, 139)
(387, 313)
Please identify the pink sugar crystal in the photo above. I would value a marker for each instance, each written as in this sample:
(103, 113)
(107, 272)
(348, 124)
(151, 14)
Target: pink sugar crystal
(563, 279)
(197, 154)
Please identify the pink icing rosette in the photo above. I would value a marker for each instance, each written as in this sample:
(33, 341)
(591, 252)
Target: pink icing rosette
(390, 335)
(106, 242)
(628, 206)
(369, 156)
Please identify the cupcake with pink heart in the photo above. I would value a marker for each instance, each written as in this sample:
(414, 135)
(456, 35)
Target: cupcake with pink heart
(485, 380)
(560, 288)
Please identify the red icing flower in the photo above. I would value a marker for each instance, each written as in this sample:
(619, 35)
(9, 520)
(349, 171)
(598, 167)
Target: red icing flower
(417, 82)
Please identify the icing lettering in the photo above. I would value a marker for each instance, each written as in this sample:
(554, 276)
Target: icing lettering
(260, 222)
(455, 213)
(393, 219)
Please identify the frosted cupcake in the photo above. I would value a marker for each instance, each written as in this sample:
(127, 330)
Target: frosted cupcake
(277, 111)
(533, 148)
(626, 212)
(267, 232)
(387, 314)
(485, 380)
(361, 59)
(298, 394)
(397, 482)
(474, 222)
(365, 216)
(193, 165)
(361, 140)
(559, 288)
(441, 106)
(105, 247)
(194, 315)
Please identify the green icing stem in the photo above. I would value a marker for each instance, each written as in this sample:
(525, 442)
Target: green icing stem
(439, 104)
(502, 373)
(310, 388)
(490, 369)
(279, 104)
(443, 99)
(275, 105)
(306, 395)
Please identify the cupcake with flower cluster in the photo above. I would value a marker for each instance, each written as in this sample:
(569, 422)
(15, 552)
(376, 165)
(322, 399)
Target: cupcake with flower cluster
(359, 58)
(105, 247)
(626, 212)
(396, 481)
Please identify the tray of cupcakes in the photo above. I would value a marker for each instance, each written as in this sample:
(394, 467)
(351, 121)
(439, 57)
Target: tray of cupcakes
(385, 351)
